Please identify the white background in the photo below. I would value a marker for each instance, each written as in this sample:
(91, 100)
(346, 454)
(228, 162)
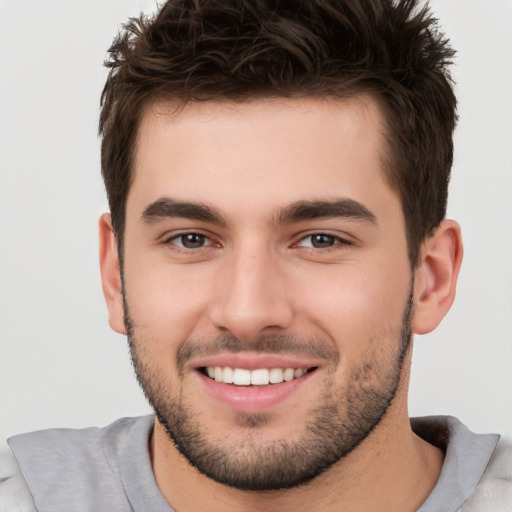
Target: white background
(60, 365)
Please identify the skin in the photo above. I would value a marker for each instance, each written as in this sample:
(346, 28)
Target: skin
(257, 277)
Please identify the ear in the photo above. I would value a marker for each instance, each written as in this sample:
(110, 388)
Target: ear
(111, 274)
(436, 277)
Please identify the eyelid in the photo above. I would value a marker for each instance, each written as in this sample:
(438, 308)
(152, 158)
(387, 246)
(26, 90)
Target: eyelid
(169, 238)
(339, 240)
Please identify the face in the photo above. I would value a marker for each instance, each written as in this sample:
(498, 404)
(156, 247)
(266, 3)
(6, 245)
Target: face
(267, 287)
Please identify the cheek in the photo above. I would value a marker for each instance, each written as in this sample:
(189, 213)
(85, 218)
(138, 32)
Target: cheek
(354, 304)
(166, 301)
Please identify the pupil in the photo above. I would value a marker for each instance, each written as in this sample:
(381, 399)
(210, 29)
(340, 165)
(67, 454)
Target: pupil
(322, 241)
(192, 240)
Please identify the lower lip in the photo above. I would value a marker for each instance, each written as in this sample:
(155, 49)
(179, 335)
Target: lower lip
(253, 399)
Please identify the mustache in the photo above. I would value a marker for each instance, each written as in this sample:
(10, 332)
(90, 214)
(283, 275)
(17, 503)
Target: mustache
(267, 343)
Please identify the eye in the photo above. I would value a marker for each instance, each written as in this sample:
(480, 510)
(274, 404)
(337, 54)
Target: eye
(190, 240)
(321, 241)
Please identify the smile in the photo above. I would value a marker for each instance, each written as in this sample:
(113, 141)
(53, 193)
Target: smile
(254, 383)
(258, 377)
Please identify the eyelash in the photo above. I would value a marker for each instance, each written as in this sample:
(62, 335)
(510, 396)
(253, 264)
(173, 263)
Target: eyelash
(337, 242)
(172, 241)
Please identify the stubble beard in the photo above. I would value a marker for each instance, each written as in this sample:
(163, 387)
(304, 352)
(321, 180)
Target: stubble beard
(335, 428)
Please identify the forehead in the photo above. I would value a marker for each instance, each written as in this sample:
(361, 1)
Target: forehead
(268, 152)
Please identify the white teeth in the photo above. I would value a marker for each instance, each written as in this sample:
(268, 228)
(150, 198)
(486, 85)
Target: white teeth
(288, 374)
(218, 374)
(242, 377)
(259, 377)
(227, 375)
(276, 375)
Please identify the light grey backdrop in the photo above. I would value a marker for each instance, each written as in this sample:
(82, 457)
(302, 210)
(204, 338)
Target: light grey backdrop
(60, 365)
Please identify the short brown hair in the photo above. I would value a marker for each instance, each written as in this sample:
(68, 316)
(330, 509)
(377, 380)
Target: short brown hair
(197, 50)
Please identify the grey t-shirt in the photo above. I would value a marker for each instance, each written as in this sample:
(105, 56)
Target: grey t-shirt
(105, 469)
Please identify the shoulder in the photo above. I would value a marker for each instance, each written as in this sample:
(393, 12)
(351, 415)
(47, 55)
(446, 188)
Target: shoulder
(494, 492)
(15, 495)
(70, 448)
(62, 464)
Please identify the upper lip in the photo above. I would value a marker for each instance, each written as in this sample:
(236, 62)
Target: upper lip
(254, 361)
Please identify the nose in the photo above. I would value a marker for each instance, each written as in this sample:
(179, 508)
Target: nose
(251, 297)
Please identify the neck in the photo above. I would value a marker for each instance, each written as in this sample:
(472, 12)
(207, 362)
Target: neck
(392, 469)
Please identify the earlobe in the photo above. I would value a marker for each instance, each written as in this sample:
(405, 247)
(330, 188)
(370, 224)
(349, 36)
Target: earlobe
(436, 277)
(111, 274)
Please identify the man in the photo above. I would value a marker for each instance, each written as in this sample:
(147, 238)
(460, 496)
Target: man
(277, 178)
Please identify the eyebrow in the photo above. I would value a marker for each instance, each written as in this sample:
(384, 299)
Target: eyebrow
(165, 208)
(311, 210)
